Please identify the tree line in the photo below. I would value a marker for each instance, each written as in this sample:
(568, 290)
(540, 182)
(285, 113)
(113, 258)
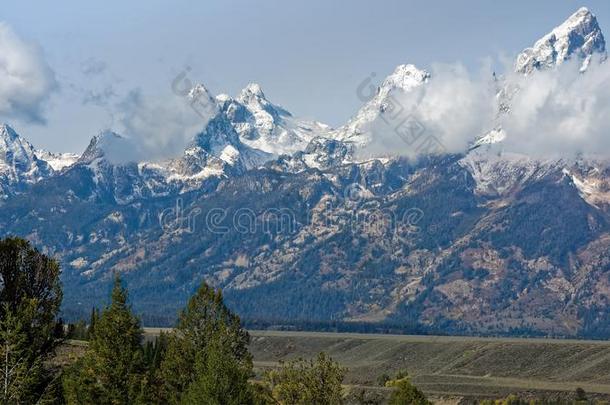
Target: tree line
(203, 360)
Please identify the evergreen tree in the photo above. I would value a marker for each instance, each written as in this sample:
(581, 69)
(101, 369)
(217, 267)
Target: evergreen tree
(154, 352)
(303, 382)
(92, 321)
(112, 369)
(20, 370)
(220, 378)
(78, 331)
(30, 296)
(207, 334)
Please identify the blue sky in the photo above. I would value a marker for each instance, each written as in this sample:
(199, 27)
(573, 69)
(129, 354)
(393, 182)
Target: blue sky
(307, 56)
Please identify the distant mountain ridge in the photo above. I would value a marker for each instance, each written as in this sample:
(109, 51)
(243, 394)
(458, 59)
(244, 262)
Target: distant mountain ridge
(294, 224)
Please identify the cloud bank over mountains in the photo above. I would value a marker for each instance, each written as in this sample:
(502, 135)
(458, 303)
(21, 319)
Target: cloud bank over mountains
(160, 127)
(26, 79)
(549, 104)
(453, 105)
(561, 112)
(553, 102)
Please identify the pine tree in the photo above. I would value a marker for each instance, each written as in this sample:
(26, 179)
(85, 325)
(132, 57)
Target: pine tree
(206, 332)
(154, 351)
(92, 321)
(20, 368)
(112, 369)
(220, 378)
(30, 296)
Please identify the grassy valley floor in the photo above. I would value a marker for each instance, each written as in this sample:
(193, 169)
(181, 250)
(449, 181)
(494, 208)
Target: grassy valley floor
(452, 366)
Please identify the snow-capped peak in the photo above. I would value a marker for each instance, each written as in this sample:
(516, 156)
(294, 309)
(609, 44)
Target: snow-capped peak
(199, 90)
(253, 98)
(106, 137)
(19, 164)
(404, 77)
(578, 36)
(112, 147)
(268, 127)
(223, 98)
(8, 133)
(252, 90)
(16, 152)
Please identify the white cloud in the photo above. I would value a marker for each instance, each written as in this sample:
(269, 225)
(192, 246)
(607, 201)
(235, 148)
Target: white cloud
(454, 107)
(162, 127)
(561, 112)
(555, 113)
(26, 80)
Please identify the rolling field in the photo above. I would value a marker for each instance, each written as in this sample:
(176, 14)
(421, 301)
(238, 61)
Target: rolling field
(452, 366)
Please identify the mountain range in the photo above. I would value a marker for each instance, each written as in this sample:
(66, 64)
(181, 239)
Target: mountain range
(297, 222)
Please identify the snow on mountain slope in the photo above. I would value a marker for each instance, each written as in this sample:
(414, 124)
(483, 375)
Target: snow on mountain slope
(578, 36)
(221, 140)
(494, 136)
(110, 146)
(498, 174)
(19, 164)
(321, 153)
(242, 133)
(57, 161)
(216, 151)
(592, 179)
(404, 79)
(249, 131)
(266, 126)
(115, 166)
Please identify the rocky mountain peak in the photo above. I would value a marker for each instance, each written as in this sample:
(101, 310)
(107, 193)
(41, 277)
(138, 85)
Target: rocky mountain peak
(199, 90)
(404, 77)
(7, 133)
(110, 146)
(579, 36)
(19, 164)
(252, 90)
(16, 151)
